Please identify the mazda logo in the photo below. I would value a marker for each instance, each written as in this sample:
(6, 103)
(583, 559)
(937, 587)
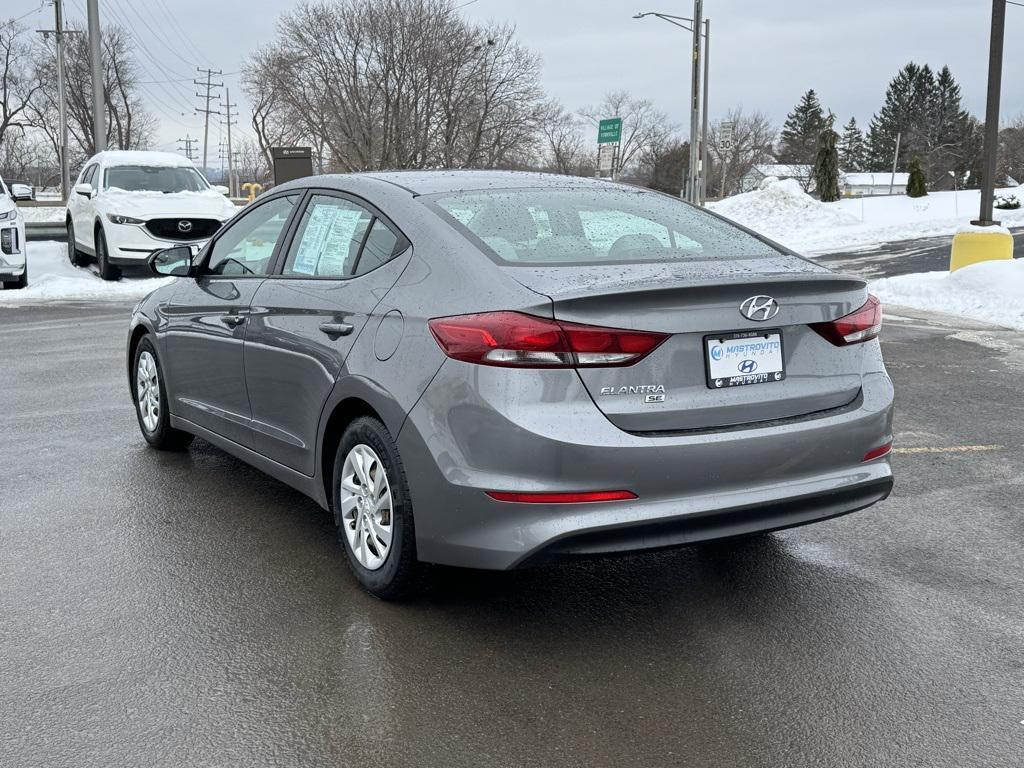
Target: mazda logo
(184, 226)
(759, 308)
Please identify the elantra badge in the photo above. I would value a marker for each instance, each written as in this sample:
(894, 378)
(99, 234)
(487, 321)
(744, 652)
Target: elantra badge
(759, 308)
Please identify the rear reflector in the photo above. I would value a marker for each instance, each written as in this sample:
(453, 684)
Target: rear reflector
(879, 452)
(561, 498)
(526, 341)
(863, 325)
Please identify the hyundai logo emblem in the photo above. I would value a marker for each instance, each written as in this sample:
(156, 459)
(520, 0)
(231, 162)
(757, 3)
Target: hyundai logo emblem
(759, 308)
(184, 226)
(747, 366)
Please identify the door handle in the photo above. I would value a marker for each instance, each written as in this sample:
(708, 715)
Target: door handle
(337, 329)
(232, 321)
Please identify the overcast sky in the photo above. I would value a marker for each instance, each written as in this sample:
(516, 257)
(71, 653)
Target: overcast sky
(764, 54)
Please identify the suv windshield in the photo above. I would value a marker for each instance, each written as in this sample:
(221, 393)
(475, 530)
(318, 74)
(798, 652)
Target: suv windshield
(588, 225)
(152, 178)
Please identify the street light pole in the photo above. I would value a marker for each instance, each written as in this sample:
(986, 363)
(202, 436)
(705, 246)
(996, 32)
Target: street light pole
(704, 167)
(995, 80)
(99, 121)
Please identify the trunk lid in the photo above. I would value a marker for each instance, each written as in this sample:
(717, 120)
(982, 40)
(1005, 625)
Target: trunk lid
(697, 299)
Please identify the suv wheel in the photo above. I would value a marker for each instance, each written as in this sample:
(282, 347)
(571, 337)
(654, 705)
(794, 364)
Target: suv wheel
(75, 256)
(373, 511)
(151, 401)
(107, 270)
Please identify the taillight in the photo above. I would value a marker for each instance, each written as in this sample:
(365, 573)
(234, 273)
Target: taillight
(863, 325)
(525, 341)
(876, 453)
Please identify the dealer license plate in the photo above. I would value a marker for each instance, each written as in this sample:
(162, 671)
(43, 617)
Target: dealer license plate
(740, 359)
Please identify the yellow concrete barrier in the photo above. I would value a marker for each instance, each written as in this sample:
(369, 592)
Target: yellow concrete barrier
(977, 245)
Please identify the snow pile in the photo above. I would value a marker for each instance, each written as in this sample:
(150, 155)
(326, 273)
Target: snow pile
(55, 214)
(51, 277)
(992, 292)
(784, 212)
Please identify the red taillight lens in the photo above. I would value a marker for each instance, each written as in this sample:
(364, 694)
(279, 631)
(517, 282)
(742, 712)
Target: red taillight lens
(863, 325)
(879, 452)
(526, 341)
(588, 497)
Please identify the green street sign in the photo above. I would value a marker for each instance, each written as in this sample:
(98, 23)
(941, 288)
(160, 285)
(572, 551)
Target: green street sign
(609, 131)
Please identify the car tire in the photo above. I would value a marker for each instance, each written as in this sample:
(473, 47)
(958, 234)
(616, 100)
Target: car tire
(398, 574)
(107, 270)
(148, 390)
(75, 256)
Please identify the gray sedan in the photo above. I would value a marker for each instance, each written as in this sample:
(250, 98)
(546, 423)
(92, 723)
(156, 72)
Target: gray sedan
(496, 369)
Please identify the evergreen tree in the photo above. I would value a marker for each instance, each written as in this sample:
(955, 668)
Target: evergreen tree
(801, 130)
(917, 185)
(826, 166)
(951, 145)
(905, 112)
(852, 148)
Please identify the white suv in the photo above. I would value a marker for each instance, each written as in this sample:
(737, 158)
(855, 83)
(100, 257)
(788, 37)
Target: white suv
(13, 268)
(126, 205)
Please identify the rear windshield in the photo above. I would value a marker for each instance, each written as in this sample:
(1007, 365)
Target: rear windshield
(152, 178)
(587, 225)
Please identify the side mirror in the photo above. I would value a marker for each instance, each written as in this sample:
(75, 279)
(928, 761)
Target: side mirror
(172, 262)
(83, 189)
(220, 188)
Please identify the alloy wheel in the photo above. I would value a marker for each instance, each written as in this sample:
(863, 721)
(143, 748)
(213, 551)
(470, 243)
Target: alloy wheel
(147, 388)
(366, 507)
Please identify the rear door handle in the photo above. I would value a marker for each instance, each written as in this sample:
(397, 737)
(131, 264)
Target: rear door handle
(232, 321)
(336, 329)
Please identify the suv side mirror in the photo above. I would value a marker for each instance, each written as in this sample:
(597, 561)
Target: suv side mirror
(220, 188)
(84, 189)
(172, 262)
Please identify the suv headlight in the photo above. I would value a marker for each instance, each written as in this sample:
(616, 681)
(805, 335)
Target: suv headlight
(11, 214)
(118, 219)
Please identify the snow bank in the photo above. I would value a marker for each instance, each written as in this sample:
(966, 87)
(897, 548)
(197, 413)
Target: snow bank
(784, 212)
(52, 278)
(56, 214)
(992, 292)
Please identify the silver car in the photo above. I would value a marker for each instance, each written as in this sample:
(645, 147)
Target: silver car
(496, 369)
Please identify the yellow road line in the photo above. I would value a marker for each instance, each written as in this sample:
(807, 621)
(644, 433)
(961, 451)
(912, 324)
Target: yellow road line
(950, 449)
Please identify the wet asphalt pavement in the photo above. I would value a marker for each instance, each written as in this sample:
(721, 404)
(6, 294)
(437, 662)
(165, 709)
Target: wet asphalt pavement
(185, 610)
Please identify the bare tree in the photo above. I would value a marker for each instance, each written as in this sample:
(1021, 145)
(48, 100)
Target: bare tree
(753, 137)
(129, 124)
(19, 80)
(1011, 151)
(643, 126)
(564, 148)
(396, 84)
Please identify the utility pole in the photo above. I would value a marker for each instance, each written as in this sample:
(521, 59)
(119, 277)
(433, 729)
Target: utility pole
(62, 104)
(209, 85)
(231, 161)
(694, 175)
(995, 82)
(99, 121)
(895, 161)
(188, 141)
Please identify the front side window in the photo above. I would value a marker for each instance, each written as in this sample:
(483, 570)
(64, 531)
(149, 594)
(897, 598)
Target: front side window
(88, 173)
(247, 245)
(152, 178)
(329, 238)
(563, 226)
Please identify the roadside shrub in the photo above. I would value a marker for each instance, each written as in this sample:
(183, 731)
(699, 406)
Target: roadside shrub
(1007, 202)
(917, 185)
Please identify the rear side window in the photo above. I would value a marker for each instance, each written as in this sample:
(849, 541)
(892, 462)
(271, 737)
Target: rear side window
(329, 237)
(378, 249)
(556, 226)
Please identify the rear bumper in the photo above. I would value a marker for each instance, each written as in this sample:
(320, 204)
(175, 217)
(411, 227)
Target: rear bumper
(467, 435)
